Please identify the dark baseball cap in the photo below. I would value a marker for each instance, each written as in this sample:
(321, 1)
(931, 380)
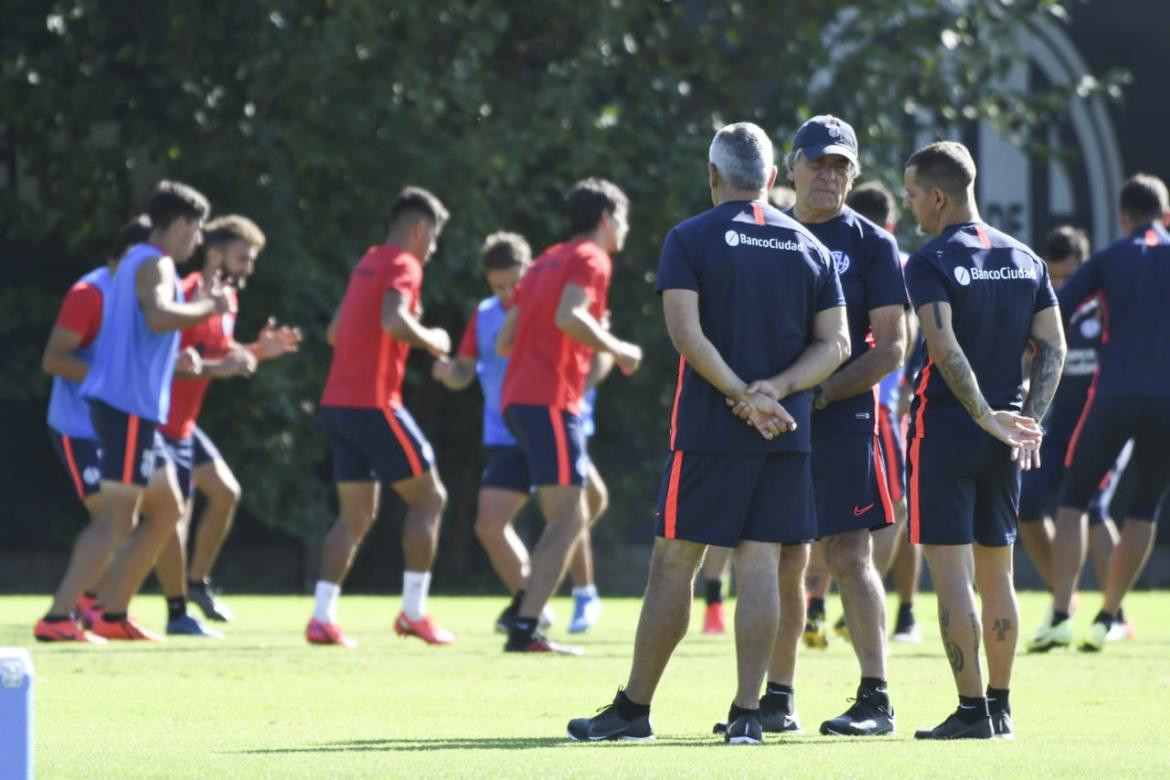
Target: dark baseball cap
(826, 134)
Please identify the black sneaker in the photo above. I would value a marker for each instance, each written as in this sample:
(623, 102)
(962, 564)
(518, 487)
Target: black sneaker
(201, 595)
(608, 723)
(869, 716)
(954, 728)
(539, 643)
(745, 729)
(906, 628)
(504, 621)
(1001, 724)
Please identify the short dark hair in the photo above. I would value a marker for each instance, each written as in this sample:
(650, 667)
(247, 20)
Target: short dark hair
(1065, 242)
(1143, 197)
(173, 200)
(504, 250)
(233, 227)
(136, 231)
(420, 203)
(589, 199)
(874, 201)
(944, 165)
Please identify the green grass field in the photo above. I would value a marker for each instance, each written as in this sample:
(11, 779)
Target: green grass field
(264, 704)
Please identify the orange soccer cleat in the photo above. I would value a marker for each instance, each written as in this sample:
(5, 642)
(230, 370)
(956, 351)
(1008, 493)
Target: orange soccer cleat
(64, 631)
(424, 628)
(319, 633)
(126, 628)
(713, 619)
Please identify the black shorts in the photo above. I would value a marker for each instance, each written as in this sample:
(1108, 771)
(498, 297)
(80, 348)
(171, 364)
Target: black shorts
(127, 444)
(1106, 424)
(1040, 488)
(82, 460)
(506, 469)
(205, 449)
(375, 444)
(963, 489)
(850, 485)
(553, 442)
(723, 499)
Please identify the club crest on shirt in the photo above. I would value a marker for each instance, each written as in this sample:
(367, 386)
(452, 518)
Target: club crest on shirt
(146, 467)
(841, 260)
(1091, 328)
(92, 475)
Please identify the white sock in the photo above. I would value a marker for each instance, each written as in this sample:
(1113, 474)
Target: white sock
(415, 585)
(585, 591)
(325, 607)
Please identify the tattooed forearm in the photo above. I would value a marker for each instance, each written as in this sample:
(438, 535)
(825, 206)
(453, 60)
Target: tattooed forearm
(960, 378)
(1047, 363)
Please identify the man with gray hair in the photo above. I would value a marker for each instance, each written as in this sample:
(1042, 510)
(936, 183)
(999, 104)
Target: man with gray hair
(728, 277)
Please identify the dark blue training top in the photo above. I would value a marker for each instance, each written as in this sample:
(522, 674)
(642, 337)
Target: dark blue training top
(1133, 278)
(870, 267)
(761, 279)
(994, 285)
(1083, 336)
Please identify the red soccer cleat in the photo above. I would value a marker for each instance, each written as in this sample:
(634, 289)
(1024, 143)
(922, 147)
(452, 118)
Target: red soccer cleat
(126, 628)
(424, 628)
(319, 633)
(64, 631)
(713, 619)
(84, 604)
(91, 616)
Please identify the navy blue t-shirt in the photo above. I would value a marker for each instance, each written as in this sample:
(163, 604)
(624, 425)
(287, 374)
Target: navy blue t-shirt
(761, 279)
(1083, 336)
(1133, 279)
(870, 267)
(994, 285)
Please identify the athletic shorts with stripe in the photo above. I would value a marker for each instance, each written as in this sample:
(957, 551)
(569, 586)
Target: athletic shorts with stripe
(205, 449)
(1106, 424)
(1040, 488)
(506, 469)
(180, 453)
(724, 499)
(963, 489)
(383, 445)
(127, 444)
(553, 442)
(892, 434)
(850, 485)
(82, 461)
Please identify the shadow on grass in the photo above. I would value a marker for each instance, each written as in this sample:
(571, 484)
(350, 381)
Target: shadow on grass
(477, 743)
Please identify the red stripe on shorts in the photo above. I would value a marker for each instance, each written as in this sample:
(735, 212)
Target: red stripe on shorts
(131, 447)
(562, 445)
(73, 472)
(403, 441)
(671, 509)
(1076, 436)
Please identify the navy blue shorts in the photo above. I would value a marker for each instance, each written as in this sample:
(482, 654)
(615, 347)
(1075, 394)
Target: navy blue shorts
(205, 449)
(1040, 488)
(181, 453)
(1106, 424)
(963, 489)
(506, 469)
(850, 485)
(82, 459)
(553, 442)
(375, 444)
(725, 499)
(126, 442)
(893, 441)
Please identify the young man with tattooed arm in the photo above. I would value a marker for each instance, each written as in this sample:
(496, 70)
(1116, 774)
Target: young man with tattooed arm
(981, 296)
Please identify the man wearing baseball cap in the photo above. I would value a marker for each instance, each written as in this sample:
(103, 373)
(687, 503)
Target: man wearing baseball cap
(849, 483)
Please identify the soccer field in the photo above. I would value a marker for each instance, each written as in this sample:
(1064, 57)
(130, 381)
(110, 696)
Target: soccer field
(265, 704)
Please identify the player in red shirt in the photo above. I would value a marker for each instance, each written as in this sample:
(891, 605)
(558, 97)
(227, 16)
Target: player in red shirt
(551, 332)
(374, 438)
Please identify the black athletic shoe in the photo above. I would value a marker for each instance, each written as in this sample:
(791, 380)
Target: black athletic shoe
(504, 621)
(869, 716)
(539, 643)
(954, 728)
(201, 595)
(1001, 724)
(745, 729)
(608, 723)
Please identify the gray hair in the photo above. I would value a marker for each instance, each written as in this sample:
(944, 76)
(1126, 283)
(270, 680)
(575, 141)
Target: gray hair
(742, 154)
(794, 156)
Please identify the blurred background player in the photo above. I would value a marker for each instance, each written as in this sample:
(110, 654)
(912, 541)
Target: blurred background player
(1129, 399)
(230, 247)
(848, 467)
(374, 438)
(554, 326)
(505, 484)
(128, 389)
(715, 567)
(981, 297)
(67, 358)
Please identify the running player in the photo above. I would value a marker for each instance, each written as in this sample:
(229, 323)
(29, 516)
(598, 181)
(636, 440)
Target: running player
(128, 389)
(981, 296)
(1130, 398)
(505, 484)
(552, 329)
(67, 358)
(374, 438)
(738, 270)
(848, 467)
(231, 245)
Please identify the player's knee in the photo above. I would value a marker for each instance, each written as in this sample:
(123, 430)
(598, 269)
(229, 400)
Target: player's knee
(848, 555)
(489, 528)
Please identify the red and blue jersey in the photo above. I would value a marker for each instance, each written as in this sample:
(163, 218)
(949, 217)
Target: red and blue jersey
(994, 285)
(1132, 278)
(761, 279)
(870, 268)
